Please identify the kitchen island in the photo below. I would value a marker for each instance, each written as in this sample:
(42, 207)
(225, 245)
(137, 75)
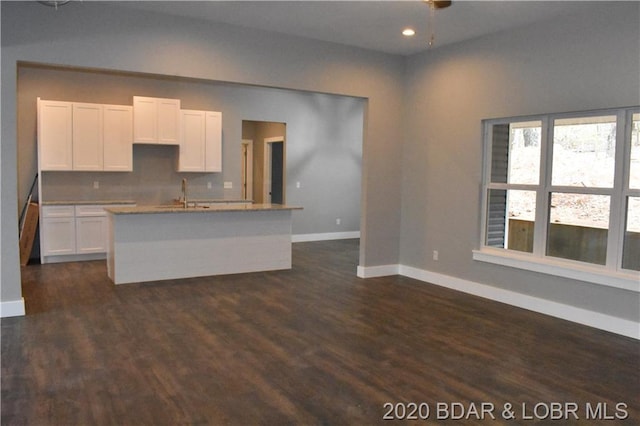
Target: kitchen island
(151, 243)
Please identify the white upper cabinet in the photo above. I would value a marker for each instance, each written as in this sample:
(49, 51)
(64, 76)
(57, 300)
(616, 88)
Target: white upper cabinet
(145, 120)
(118, 138)
(55, 135)
(84, 137)
(192, 141)
(156, 120)
(213, 148)
(169, 121)
(87, 137)
(200, 141)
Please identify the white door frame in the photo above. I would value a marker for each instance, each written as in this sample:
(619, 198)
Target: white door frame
(268, 155)
(247, 169)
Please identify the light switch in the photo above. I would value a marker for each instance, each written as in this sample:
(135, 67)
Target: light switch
(96, 184)
(208, 185)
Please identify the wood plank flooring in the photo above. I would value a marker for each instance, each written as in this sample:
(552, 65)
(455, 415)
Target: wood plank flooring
(314, 345)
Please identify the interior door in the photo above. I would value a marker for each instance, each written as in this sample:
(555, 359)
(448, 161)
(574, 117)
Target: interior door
(274, 173)
(277, 172)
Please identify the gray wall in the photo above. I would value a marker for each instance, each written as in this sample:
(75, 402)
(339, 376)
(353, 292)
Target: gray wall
(101, 35)
(571, 64)
(313, 130)
(422, 134)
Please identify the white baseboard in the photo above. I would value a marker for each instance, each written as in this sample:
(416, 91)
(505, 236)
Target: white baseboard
(73, 258)
(12, 308)
(377, 271)
(559, 310)
(326, 236)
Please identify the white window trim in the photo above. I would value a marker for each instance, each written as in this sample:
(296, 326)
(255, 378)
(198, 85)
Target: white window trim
(609, 275)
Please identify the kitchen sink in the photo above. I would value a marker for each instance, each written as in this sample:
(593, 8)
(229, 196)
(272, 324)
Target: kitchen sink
(179, 206)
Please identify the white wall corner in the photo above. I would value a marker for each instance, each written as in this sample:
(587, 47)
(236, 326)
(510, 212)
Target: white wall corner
(12, 308)
(559, 310)
(377, 271)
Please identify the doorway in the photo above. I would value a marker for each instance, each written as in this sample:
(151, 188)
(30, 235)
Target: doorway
(264, 161)
(247, 169)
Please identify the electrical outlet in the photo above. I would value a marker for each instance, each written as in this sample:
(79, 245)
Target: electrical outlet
(228, 185)
(436, 255)
(297, 184)
(208, 185)
(338, 221)
(96, 184)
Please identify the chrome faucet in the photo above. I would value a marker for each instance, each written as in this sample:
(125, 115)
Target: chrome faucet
(184, 193)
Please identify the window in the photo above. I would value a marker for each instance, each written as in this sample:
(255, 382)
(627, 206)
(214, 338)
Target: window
(562, 195)
(514, 181)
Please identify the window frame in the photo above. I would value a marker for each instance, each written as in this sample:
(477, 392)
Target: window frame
(611, 273)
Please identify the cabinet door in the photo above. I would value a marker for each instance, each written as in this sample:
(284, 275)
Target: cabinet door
(168, 121)
(213, 144)
(145, 120)
(91, 234)
(55, 132)
(58, 236)
(118, 138)
(57, 230)
(192, 141)
(87, 137)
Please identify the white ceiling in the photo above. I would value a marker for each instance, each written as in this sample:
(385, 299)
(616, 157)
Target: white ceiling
(375, 25)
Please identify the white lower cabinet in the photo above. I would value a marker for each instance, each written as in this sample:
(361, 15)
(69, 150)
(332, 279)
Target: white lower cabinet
(69, 232)
(58, 236)
(91, 235)
(91, 229)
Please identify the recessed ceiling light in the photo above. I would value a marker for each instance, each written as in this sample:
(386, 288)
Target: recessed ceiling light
(408, 32)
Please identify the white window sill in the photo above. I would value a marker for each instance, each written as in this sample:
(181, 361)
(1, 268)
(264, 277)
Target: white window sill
(567, 269)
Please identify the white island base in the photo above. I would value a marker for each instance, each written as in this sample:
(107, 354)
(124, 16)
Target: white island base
(161, 244)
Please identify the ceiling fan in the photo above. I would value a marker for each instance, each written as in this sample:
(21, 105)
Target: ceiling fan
(439, 4)
(433, 6)
(54, 3)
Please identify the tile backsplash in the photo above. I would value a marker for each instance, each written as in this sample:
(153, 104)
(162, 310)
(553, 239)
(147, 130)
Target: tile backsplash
(154, 180)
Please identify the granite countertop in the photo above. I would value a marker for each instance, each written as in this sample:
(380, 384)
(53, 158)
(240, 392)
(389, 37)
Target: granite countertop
(115, 202)
(85, 202)
(215, 200)
(236, 207)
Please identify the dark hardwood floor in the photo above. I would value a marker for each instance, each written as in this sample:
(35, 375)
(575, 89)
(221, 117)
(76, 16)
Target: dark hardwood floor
(312, 345)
